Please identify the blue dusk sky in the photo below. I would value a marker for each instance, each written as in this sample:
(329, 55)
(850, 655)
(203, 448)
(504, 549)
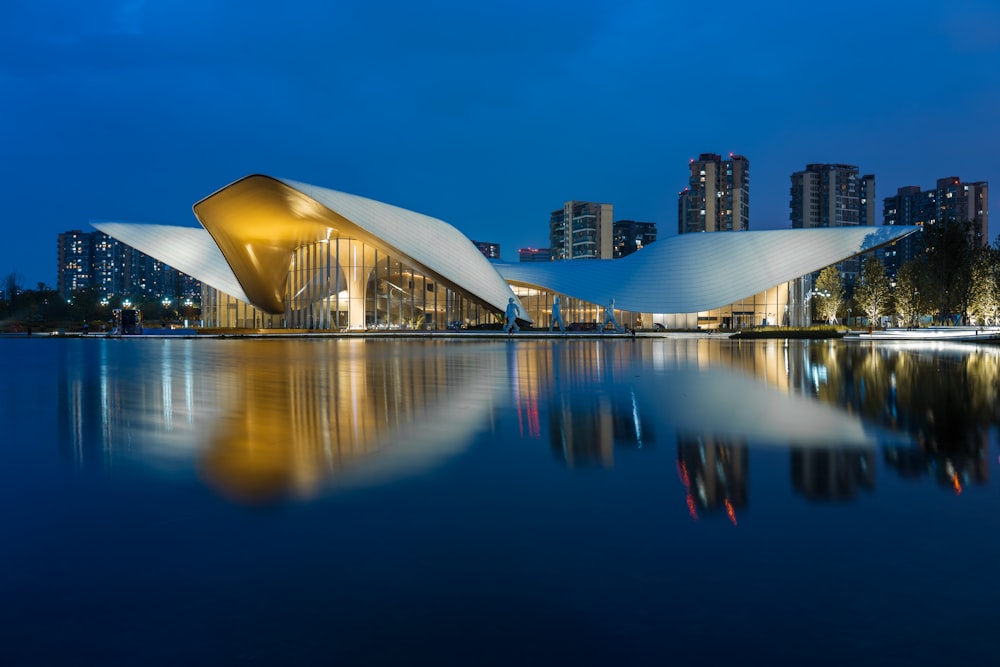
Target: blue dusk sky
(488, 115)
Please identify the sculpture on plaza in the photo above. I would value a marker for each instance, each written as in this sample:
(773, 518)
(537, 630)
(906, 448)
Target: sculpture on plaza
(557, 315)
(609, 317)
(510, 326)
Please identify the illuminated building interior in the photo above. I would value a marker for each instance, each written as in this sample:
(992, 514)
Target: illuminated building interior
(280, 254)
(771, 307)
(391, 295)
(275, 253)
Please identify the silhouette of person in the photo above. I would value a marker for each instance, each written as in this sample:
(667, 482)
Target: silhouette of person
(609, 317)
(510, 326)
(557, 315)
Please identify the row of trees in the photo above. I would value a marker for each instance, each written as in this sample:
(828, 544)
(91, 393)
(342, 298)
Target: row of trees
(42, 307)
(953, 279)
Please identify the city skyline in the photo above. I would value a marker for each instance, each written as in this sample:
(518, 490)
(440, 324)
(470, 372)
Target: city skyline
(132, 111)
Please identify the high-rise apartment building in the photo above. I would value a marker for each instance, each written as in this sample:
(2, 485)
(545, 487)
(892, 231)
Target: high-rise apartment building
(95, 260)
(717, 198)
(581, 230)
(74, 270)
(631, 236)
(490, 250)
(534, 255)
(951, 199)
(832, 195)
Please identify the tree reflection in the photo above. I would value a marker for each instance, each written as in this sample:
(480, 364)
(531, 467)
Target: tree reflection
(942, 396)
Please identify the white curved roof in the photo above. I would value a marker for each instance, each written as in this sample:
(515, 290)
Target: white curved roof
(258, 222)
(691, 273)
(427, 241)
(252, 223)
(190, 250)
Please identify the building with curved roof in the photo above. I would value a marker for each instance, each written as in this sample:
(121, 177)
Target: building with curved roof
(276, 253)
(681, 276)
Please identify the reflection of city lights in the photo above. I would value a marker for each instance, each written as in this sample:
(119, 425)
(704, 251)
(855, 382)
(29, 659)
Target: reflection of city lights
(730, 511)
(692, 508)
(956, 484)
(683, 474)
(688, 498)
(635, 420)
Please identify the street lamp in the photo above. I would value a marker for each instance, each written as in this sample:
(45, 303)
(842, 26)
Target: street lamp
(849, 317)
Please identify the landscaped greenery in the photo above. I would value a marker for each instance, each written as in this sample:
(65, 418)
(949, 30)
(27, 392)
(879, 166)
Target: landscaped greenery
(828, 294)
(42, 309)
(952, 278)
(815, 332)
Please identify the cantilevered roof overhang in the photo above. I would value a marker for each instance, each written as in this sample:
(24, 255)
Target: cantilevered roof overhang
(259, 221)
(190, 250)
(693, 273)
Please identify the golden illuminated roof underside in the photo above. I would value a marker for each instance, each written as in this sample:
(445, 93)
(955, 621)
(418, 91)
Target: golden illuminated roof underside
(258, 222)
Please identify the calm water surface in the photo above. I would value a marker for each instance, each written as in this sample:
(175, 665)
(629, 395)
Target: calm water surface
(658, 501)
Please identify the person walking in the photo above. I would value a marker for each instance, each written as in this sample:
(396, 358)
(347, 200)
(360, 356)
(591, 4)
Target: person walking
(557, 315)
(510, 326)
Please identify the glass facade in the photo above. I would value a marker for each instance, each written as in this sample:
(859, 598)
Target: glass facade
(782, 305)
(347, 284)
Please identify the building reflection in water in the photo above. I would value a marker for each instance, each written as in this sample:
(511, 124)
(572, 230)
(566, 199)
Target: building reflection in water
(266, 419)
(586, 427)
(586, 391)
(714, 474)
(826, 474)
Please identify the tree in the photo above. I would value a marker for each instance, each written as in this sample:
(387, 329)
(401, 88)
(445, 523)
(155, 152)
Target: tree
(13, 285)
(873, 294)
(910, 297)
(828, 294)
(984, 299)
(951, 247)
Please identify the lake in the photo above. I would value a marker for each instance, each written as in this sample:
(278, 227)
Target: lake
(451, 501)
